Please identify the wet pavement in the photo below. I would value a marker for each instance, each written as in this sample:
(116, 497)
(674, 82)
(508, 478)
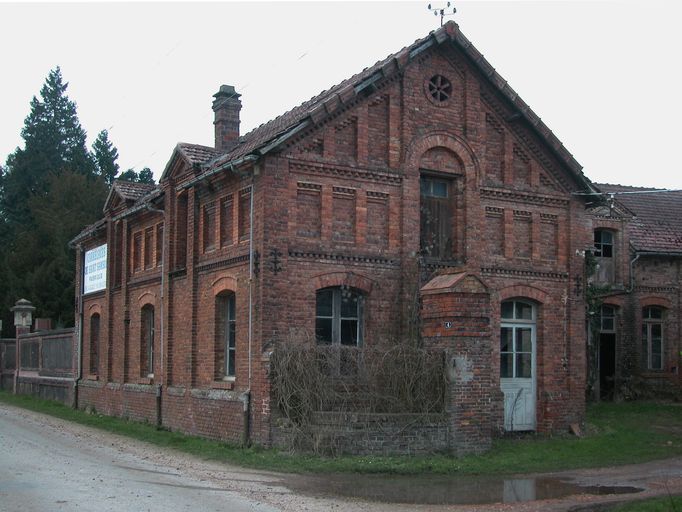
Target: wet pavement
(447, 490)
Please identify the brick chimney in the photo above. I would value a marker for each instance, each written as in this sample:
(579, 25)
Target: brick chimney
(226, 106)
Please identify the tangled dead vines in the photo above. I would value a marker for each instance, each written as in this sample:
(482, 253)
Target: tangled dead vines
(310, 379)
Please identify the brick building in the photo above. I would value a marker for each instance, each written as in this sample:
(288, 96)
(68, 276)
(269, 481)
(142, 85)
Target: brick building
(420, 195)
(635, 340)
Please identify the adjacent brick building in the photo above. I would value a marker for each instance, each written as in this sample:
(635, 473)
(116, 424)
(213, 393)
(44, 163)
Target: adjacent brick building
(635, 340)
(421, 198)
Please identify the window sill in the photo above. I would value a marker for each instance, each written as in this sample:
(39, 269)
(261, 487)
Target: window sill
(92, 376)
(223, 384)
(146, 380)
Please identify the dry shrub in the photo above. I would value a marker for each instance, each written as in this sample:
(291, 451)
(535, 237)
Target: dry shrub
(399, 379)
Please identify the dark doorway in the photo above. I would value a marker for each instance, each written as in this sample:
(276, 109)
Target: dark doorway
(607, 365)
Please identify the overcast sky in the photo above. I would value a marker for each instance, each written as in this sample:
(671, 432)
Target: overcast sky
(603, 75)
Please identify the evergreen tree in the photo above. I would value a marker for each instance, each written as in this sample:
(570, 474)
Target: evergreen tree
(144, 176)
(49, 191)
(129, 175)
(54, 141)
(105, 155)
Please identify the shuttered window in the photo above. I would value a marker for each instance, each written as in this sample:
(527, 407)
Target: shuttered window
(436, 218)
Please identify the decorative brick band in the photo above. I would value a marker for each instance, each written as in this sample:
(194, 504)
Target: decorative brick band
(493, 211)
(346, 172)
(207, 267)
(344, 191)
(343, 257)
(506, 195)
(313, 187)
(508, 272)
(377, 196)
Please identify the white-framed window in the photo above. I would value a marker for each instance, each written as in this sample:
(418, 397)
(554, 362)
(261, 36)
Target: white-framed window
(338, 316)
(652, 337)
(517, 333)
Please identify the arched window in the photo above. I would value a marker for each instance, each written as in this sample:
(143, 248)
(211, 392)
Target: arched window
(652, 338)
(338, 316)
(225, 336)
(94, 343)
(147, 341)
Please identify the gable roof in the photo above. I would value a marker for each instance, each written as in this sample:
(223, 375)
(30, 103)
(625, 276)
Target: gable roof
(193, 154)
(268, 136)
(127, 191)
(656, 226)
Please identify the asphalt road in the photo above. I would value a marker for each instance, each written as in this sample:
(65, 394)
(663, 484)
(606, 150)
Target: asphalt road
(47, 468)
(47, 464)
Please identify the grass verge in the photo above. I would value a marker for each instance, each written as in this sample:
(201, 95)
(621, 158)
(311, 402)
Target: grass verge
(664, 504)
(617, 434)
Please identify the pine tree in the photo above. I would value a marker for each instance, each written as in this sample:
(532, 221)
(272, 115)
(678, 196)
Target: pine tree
(49, 190)
(105, 155)
(54, 141)
(144, 176)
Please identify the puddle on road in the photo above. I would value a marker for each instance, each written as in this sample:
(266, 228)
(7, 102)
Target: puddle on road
(442, 490)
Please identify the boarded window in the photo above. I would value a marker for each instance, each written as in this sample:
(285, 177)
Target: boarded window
(436, 219)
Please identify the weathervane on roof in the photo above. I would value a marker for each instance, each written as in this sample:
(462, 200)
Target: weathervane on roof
(443, 12)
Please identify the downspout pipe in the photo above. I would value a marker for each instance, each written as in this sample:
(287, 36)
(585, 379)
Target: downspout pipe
(159, 387)
(246, 396)
(81, 288)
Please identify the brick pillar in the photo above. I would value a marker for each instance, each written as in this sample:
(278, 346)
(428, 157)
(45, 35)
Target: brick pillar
(456, 317)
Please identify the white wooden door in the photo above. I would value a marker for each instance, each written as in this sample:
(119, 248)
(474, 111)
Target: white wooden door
(517, 375)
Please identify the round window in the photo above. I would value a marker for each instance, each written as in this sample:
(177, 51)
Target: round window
(439, 88)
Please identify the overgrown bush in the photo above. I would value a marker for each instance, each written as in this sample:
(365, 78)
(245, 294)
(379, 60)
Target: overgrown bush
(399, 379)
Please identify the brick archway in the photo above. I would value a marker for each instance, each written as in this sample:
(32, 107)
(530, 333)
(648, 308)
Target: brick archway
(523, 292)
(454, 143)
(350, 279)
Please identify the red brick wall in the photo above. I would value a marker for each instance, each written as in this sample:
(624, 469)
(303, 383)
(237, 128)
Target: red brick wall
(340, 206)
